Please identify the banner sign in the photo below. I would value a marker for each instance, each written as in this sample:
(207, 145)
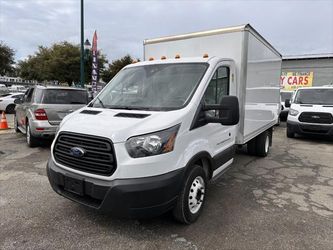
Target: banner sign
(294, 80)
(94, 73)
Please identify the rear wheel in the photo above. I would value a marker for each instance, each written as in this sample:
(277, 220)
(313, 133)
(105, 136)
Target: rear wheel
(192, 196)
(31, 140)
(10, 109)
(262, 144)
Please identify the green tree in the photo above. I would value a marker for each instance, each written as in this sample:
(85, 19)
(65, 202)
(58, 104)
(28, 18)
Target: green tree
(6, 59)
(59, 62)
(116, 66)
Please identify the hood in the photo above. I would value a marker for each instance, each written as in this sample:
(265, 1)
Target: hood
(119, 125)
(312, 108)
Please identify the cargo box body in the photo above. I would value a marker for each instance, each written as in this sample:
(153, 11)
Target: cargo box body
(258, 70)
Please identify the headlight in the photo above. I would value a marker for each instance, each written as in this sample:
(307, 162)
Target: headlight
(293, 112)
(152, 144)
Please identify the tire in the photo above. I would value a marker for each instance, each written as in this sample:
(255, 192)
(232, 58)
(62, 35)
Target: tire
(10, 109)
(262, 144)
(251, 147)
(290, 134)
(31, 140)
(195, 182)
(278, 122)
(16, 125)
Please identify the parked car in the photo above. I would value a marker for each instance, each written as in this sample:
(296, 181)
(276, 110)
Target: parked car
(40, 111)
(154, 137)
(17, 88)
(311, 112)
(284, 110)
(3, 88)
(7, 102)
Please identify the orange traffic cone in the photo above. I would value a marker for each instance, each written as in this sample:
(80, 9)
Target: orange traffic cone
(3, 122)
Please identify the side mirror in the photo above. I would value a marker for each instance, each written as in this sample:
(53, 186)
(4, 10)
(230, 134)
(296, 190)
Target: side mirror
(228, 111)
(18, 101)
(287, 103)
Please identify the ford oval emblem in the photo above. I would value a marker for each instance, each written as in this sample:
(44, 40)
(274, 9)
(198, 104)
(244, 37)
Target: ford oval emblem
(77, 152)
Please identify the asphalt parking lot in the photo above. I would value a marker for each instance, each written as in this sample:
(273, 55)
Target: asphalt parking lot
(283, 201)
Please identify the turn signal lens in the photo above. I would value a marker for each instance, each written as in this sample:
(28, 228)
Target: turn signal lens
(40, 115)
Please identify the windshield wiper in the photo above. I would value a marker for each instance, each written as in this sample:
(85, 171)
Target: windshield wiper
(100, 101)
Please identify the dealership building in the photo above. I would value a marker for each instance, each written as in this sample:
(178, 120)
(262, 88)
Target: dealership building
(306, 71)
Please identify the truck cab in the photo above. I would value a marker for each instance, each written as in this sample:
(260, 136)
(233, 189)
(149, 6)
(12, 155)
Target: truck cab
(162, 129)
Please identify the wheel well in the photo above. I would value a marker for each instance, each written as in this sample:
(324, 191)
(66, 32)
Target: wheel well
(205, 163)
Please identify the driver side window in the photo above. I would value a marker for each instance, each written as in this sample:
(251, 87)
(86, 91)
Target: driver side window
(217, 88)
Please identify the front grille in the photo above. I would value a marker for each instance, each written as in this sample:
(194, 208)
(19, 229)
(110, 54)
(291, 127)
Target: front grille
(98, 158)
(316, 117)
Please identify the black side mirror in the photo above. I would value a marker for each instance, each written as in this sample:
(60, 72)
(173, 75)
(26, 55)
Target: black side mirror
(287, 103)
(18, 101)
(228, 111)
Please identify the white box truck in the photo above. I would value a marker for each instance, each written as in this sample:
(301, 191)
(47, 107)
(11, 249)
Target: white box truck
(163, 128)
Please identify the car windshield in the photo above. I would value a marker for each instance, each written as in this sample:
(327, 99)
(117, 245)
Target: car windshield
(63, 96)
(314, 96)
(152, 87)
(286, 95)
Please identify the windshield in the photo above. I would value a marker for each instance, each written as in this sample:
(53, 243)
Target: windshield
(314, 96)
(152, 87)
(286, 95)
(63, 96)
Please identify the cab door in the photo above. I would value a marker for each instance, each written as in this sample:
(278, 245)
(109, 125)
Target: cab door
(220, 138)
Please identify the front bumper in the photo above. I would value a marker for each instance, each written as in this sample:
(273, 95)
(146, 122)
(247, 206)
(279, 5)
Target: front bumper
(134, 198)
(310, 128)
(42, 129)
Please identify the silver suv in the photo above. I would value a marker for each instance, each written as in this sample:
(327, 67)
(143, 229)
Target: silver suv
(40, 111)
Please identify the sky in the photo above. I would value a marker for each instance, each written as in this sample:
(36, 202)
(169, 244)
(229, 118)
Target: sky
(292, 27)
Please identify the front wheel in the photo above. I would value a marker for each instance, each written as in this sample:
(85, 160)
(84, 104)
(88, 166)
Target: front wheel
(16, 124)
(192, 196)
(31, 140)
(290, 134)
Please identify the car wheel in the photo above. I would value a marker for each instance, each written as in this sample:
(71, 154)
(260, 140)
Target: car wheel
(192, 197)
(31, 140)
(10, 109)
(251, 147)
(262, 144)
(290, 134)
(278, 122)
(16, 124)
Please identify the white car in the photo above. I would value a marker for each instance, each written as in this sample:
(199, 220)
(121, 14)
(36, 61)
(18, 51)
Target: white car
(3, 88)
(17, 88)
(7, 102)
(284, 110)
(311, 112)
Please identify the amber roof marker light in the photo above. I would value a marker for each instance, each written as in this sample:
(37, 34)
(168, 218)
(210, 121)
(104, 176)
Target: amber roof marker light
(163, 57)
(177, 56)
(205, 55)
(151, 58)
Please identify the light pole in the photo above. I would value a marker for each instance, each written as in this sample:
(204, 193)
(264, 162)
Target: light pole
(82, 51)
